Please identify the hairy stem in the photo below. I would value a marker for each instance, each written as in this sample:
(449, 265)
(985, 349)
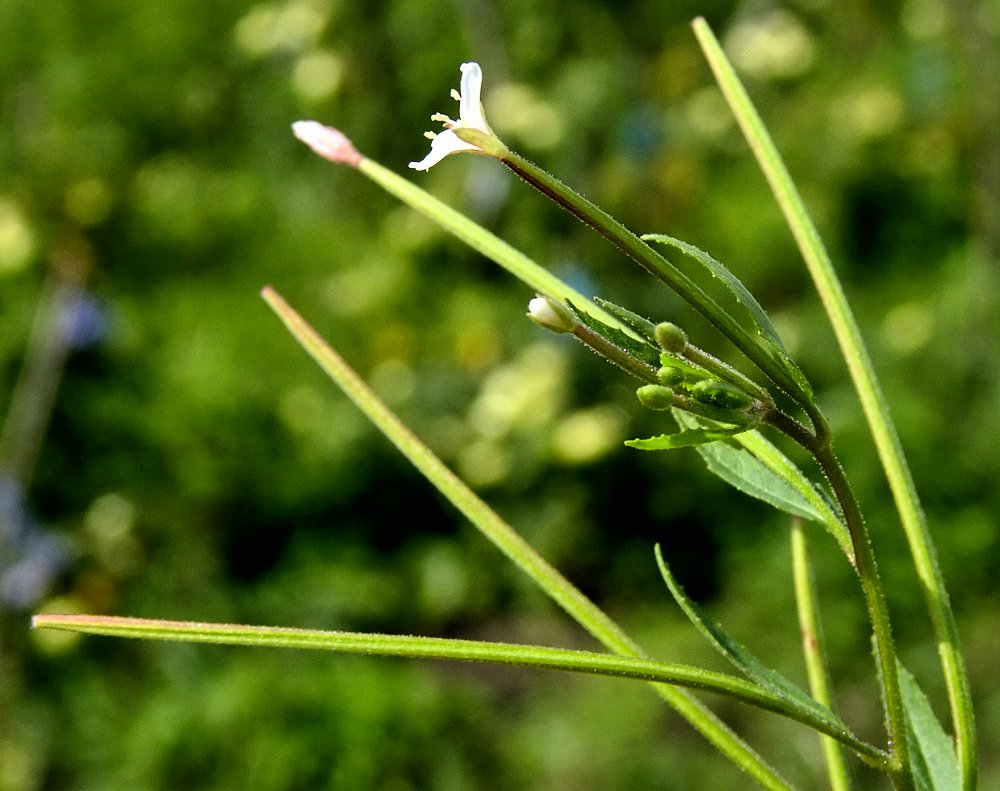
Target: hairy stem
(878, 613)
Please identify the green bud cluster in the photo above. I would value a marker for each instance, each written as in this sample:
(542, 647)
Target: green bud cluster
(695, 391)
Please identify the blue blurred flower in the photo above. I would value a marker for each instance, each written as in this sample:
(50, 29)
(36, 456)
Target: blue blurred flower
(31, 556)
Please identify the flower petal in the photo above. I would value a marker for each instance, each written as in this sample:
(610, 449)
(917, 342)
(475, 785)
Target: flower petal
(470, 108)
(441, 146)
(470, 117)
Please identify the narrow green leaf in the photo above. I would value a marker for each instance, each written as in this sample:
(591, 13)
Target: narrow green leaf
(738, 654)
(486, 520)
(873, 401)
(718, 270)
(533, 656)
(418, 647)
(766, 333)
(637, 347)
(683, 439)
(762, 471)
(935, 766)
(508, 541)
(642, 326)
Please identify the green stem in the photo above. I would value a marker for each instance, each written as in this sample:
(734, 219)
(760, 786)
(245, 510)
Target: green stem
(792, 428)
(878, 614)
(530, 656)
(507, 540)
(480, 239)
(814, 651)
(873, 401)
(863, 558)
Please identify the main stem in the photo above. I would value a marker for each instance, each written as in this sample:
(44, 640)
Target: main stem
(878, 612)
(871, 585)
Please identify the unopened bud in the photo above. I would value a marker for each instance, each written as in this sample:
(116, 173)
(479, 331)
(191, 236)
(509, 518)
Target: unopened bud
(547, 312)
(328, 142)
(670, 337)
(720, 394)
(670, 375)
(655, 397)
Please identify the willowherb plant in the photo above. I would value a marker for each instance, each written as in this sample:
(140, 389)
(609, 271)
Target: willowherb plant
(724, 414)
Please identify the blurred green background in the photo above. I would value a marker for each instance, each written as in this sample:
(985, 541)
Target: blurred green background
(169, 451)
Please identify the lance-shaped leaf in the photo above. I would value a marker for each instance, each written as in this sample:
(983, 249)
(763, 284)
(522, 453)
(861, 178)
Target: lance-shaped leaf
(738, 654)
(759, 469)
(642, 326)
(684, 439)
(755, 312)
(639, 348)
(935, 767)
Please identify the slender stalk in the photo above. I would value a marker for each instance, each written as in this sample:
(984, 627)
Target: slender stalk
(878, 614)
(416, 647)
(814, 652)
(334, 145)
(508, 541)
(876, 409)
(479, 239)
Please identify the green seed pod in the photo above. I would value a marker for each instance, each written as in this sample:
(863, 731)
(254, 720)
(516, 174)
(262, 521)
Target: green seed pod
(670, 375)
(655, 397)
(721, 394)
(670, 337)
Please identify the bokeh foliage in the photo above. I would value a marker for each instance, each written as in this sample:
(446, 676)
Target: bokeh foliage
(195, 465)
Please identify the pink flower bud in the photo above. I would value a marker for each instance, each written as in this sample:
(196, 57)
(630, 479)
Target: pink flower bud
(328, 142)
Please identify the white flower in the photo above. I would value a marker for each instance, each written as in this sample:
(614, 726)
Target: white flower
(553, 315)
(470, 116)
